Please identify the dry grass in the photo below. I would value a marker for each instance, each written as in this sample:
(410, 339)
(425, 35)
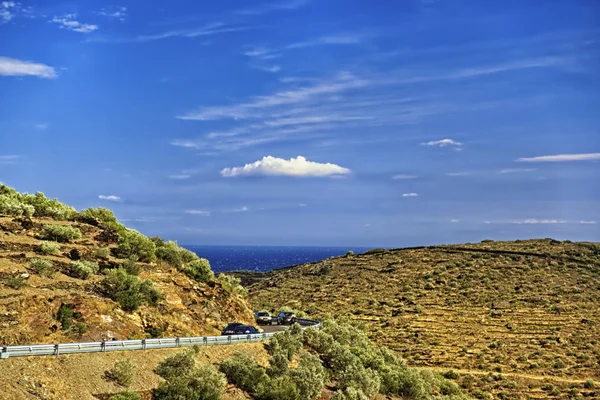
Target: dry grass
(513, 313)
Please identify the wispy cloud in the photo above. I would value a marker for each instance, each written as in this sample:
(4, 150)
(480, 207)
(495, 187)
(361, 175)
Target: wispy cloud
(69, 22)
(241, 209)
(454, 221)
(9, 159)
(8, 10)
(273, 6)
(404, 176)
(588, 222)
(459, 173)
(109, 197)
(41, 127)
(534, 221)
(180, 176)
(443, 143)
(299, 167)
(119, 13)
(410, 195)
(516, 170)
(339, 39)
(14, 67)
(206, 30)
(272, 69)
(198, 212)
(563, 157)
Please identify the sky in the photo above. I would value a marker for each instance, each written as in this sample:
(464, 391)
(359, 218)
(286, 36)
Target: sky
(309, 122)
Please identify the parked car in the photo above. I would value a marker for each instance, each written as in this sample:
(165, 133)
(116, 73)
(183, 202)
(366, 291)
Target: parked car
(243, 330)
(263, 318)
(230, 328)
(286, 318)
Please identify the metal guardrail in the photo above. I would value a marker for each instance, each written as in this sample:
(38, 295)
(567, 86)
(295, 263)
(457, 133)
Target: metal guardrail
(143, 344)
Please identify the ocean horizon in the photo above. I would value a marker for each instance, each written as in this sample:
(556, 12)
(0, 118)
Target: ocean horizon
(225, 258)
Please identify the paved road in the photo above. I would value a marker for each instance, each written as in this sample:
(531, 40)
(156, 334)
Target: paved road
(273, 328)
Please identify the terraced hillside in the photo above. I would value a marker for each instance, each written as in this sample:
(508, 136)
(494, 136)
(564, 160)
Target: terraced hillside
(515, 319)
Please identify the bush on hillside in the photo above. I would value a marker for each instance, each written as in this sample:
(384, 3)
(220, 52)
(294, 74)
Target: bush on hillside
(133, 244)
(15, 282)
(102, 253)
(131, 267)
(82, 269)
(10, 205)
(199, 270)
(125, 396)
(231, 285)
(172, 254)
(45, 207)
(309, 376)
(122, 372)
(65, 316)
(202, 382)
(128, 290)
(175, 365)
(41, 267)
(60, 233)
(103, 214)
(243, 371)
(49, 248)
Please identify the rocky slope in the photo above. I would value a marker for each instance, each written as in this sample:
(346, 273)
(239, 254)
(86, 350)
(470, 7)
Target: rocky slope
(30, 301)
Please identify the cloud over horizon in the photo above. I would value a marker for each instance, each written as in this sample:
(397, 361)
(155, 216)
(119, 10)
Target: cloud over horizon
(299, 167)
(14, 67)
(109, 197)
(562, 158)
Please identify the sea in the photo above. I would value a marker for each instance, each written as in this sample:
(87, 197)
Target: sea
(265, 258)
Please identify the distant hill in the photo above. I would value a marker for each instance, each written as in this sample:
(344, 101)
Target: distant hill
(82, 276)
(515, 318)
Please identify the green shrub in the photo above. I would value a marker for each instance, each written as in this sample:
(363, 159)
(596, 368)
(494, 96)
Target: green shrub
(60, 233)
(122, 372)
(287, 343)
(131, 267)
(128, 290)
(125, 396)
(65, 316)
(309, 376)
(82, 269)
(203, 382)
(172, 254)
(41, 267)
(45, 207)
(15, 282)
(451, 374)
(280, 388)
(231, 285)
(243, 371)
(134, 244)
(102, 252)
(49, 248)
(103, 214)
(589, 384)
(199, 270)
(178, 364)
(11, 205)
(377, 250)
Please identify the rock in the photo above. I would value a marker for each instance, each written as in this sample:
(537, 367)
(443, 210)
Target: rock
(25, 275)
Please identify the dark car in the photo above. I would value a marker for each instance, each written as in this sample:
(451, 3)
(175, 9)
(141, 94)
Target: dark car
(286, 318)
(230, 329)
(243, 330)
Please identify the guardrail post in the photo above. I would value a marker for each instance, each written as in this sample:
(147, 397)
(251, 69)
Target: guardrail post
(103, 346)
(229, 339)
(56, 350)
(177, 342)
(205, 340)
(143, 344)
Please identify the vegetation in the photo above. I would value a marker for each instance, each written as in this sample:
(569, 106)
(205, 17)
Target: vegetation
(65, 316)
(172, 254)
(199, 270)
(16, 204)
(129, 290)
(122, 372)
(60, 233)
(42, 267)
(15, 282)
(134, 244)
(184, 380)
(231, 285)
(125, 396)
(82, 269)
(102, 253)
(49, 248)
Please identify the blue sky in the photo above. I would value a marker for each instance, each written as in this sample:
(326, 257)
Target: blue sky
(305, 122)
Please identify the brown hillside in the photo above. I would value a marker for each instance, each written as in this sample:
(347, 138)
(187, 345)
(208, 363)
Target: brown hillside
(527, 310)
(29, 314)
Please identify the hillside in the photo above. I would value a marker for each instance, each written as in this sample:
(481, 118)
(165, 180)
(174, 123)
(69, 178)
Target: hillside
(514, 318)
(81, 276)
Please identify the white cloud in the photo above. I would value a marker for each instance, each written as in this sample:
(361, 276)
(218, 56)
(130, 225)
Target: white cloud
(68, 21)
(180, 176)
(516, 170)
(241, 209)
(298, 166)
(206, 30)
(459, 173)
(14, 67)
(443, 143)
(563, 157)
(542, 221)
(339, 39)
(454, 221)
(198, 212)
(109, 198)
(119, 13)
(41, 127)
(8, 10)
(273, 69)
(410, 195)
(9, 159)
(588, 222)
(302, 205)
(403, 176)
